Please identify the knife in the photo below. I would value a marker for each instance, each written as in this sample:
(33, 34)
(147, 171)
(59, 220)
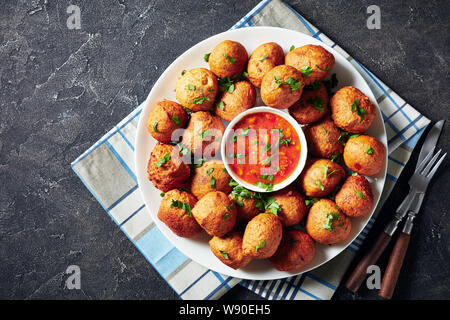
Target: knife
(359, 273)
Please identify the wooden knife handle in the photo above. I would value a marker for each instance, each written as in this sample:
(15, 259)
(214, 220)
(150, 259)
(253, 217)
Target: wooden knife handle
(394, 266)
(360, 272)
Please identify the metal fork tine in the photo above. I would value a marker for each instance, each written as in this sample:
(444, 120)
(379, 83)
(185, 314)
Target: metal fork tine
(431, 163)
(425, 160)
(433, 171)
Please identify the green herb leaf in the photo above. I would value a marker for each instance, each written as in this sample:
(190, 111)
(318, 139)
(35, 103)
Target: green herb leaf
(317, 103)
(190, 87)
(328, 225)
(200, 100)
(359, 194)
(175, 119)
(306, 71)
(231, 88)
(327, 68)
(183, 72)
(230, 59)
(295, 85)
(230, 207)
(325, 130)
(225, 216)
(182, 205)
(220, 105)
(210, 170)
(224, 254)
(319, 183)
(206, 57)
(162, 194)
(354, 174)
(213, 182)
(311, 201)
(261, 245)
(291, 48)
(355, 104)
(155, 127)
(163, 160)
(264, 58)
(369, 150)
(206, 133)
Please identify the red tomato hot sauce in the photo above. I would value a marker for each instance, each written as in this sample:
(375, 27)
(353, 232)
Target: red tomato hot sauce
(263, 150)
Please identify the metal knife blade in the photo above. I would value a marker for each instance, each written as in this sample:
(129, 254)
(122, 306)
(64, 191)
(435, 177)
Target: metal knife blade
(429, 143)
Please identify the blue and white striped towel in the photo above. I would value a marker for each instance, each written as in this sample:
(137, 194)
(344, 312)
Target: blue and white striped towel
(107, 170)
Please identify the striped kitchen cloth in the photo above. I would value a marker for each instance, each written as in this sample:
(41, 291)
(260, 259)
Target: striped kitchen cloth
(107, 170)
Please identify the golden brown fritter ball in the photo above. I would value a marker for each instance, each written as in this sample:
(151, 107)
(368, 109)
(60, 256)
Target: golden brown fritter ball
(365, 155)
(228, 249)
(312, 106)
(313, 61)
(228, 59)
(210, 176)
(326, 224)
(176, 212)
(320, 177)
(355, 198)
(165, 117)
(245, 206)
(203, 134)
(322, 138)
(281, 87)
(263, 59)
(295, 251)
(231, 104)
(166, 169)
(215, 213)
(262, 236)
(352, 110)
(292, 204)
(196, 89)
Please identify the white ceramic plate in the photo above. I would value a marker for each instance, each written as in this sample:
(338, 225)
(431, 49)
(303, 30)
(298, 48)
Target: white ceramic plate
(198, 249)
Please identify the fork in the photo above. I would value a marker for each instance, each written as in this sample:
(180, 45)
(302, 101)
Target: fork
(418, 183)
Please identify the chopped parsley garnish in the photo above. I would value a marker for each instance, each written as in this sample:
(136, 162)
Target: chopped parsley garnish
(317, 103)
(334, 157)
(162, 194)
(354, 174)
(328, 225)
(220, 105)
(155, 127)
(230, 59)
(231, 88)
(359, 111)
(266, 177)
(163, 160)
(206, 57)
(264, 58)
(224, 254)
(200, 100)
(306, 71)
(295, 85)
(319, 183)
(245, 131)
(175, 119)
(233, 183)
(183, 149)
(311, 201)
(190, 87)
(329, 174)
(267, 147)
(369, 150)
(326, 69)
(206, 133)
(240, 192)
(359, 194)
(267, 187)
(291, 48)
(224, 83)
(213, 182)
(198, 162)
(261, 245)
(325, 130)
(183, 72)
(210, 170)
(271, 206)
(230, 207)
(182, 205)
(225, 216)
(285, 141)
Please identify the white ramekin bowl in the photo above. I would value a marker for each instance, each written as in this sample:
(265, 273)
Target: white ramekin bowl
(297, 128)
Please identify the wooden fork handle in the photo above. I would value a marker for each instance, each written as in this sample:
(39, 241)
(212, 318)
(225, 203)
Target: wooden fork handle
(394, 266)
(360, 272)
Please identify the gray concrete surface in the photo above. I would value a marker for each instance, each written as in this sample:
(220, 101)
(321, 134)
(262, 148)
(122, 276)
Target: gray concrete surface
(61, 90)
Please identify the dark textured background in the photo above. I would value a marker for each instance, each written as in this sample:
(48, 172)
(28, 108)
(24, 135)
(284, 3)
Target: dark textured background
(61, 90)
